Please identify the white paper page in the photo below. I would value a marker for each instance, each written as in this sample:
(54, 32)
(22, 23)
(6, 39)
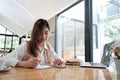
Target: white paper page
(42, 66)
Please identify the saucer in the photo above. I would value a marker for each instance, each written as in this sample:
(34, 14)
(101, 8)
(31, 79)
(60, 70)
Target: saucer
(5, 68)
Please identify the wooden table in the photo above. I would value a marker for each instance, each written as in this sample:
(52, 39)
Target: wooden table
(69, 73)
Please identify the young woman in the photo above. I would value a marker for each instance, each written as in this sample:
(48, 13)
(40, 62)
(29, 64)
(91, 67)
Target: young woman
(35, 51)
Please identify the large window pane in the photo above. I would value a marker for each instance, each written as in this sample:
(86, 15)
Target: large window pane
(68, 39)
(8, 43)
(8, 40)
(15, 42)
(79, 32)
(2, 38)
(106, 17)
(70, 32)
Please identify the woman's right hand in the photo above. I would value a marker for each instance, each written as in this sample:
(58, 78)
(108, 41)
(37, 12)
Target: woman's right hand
(26, 57)
(32, 62)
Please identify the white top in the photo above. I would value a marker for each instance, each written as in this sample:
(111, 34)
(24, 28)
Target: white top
(11, 59)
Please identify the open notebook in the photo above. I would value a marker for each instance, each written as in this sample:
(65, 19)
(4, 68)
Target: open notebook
(105, 61)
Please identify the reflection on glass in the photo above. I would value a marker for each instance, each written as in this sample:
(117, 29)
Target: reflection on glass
(15, 42)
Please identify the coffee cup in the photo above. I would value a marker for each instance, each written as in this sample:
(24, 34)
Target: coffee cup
(1, 63)
(117, 63)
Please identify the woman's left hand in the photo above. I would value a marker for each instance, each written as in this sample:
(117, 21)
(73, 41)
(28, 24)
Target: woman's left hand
(57, 61)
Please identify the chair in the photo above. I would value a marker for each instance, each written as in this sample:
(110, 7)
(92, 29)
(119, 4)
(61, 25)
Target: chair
(106, 57)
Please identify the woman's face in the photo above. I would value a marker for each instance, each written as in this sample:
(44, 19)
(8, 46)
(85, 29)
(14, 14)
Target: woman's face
(44, 35)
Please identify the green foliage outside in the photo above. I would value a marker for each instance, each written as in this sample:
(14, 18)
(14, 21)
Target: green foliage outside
(112, 29)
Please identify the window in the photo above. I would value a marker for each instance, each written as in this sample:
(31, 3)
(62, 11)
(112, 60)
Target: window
(106, 16)
(70, 32)
(8, 40)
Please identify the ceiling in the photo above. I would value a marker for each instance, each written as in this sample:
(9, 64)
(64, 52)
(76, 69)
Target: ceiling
(20, 15)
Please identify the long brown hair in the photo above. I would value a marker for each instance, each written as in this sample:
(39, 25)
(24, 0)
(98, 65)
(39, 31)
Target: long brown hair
(32, 46)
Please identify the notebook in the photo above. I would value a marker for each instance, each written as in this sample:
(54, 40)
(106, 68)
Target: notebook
(73, 62)
(105, 60)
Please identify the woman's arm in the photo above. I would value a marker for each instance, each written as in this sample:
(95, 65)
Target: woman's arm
(11, 59)
(32, 62)
(56, 59)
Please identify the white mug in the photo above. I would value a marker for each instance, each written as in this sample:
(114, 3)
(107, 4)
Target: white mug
(1, 63)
